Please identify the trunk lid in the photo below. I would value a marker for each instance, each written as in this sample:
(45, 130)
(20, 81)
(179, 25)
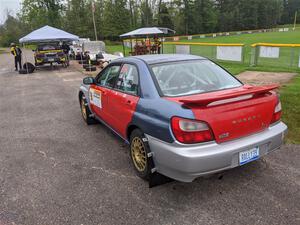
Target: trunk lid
(233, 113)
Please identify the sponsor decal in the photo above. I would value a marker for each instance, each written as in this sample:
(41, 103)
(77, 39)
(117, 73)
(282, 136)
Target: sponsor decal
(95, 97)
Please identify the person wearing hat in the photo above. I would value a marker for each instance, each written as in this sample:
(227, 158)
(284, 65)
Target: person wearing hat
(17, 53)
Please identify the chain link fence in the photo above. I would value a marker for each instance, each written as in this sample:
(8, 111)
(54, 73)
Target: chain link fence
(213, 51)
(275, 55)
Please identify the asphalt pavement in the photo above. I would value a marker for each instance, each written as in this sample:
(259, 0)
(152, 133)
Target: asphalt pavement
(54, 169)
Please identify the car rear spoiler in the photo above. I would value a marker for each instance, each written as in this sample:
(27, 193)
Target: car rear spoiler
(247, 90)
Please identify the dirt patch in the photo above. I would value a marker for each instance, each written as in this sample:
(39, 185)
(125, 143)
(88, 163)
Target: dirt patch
(260, 78)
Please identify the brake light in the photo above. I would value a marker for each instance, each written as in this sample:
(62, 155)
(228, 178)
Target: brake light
(277, 112)
(191, 131)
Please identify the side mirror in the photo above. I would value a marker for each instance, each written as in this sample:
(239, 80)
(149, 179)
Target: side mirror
(88, 80)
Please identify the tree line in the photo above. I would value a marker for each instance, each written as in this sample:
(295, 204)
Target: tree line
(114, 17)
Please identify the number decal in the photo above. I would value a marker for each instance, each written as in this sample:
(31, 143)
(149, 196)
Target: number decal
(95, 97)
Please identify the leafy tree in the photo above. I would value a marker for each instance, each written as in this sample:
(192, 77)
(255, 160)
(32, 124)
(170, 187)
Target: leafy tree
(164, 17)
(10, 31)
(37, 13)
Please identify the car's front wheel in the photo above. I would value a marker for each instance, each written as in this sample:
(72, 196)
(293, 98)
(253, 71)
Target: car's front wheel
(85, 112)
(139, 150)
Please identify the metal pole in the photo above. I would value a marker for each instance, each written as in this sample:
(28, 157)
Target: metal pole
(292, 56)
(295, 20)
(162, 45)
(123, 48)
(93, 13)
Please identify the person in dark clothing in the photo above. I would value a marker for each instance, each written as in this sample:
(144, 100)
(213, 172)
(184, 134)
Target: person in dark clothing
(17, 53)
(66, 49)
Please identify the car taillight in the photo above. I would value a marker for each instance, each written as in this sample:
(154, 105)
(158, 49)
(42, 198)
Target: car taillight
(191, 131)
(277, 112)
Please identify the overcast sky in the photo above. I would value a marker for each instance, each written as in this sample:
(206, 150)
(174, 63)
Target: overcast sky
(12, 6)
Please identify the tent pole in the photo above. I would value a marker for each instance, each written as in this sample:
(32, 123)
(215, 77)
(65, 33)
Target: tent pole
(25, 57)
(162, 45)
(123, 48)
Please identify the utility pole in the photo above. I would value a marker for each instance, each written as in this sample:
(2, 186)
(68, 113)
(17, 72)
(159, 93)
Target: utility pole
(93, 13)
(295, 21)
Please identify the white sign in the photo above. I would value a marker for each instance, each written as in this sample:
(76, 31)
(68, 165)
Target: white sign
(95, 97)
(299, 62)
(202, 36)
(227, 34)
(182, 49)
(176, 38)
(285, 29)
(281, 30)
(269, 52)
(214, 35)
(231, 53)
(190, 37)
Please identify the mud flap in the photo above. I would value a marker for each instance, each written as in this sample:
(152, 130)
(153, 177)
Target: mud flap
(157, 179)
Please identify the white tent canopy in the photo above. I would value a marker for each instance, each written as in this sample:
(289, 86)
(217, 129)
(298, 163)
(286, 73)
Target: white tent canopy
(47, 34)
(143, 32)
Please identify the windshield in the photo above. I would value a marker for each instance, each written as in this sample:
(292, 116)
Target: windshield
(47, 47)
(192, 77)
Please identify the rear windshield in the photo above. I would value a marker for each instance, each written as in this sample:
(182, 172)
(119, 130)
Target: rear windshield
(192, 77)
(47, 47)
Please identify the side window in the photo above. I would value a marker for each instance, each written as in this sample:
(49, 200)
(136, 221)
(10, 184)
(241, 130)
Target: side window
(109, 76)
(128, 79)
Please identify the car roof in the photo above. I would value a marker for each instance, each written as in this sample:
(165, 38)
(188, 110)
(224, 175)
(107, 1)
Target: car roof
(164, 58)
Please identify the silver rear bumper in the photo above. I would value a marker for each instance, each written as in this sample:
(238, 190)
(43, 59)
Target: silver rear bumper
(186, 162)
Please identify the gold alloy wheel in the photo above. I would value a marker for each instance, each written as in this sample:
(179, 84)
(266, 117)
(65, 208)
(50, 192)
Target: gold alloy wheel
(83, 109)
(138, 154)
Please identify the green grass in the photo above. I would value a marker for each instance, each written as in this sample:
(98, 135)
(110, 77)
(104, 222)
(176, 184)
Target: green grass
(290, 95)
(288, 60)
(285, 63)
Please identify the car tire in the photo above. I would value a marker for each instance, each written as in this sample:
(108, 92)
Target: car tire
(139, 151)
(29, 67)
(22, 71)
(85, 112)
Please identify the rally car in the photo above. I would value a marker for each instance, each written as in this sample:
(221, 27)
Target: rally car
(48, 54)
(183, 116)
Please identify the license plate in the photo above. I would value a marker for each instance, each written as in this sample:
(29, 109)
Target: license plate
(248, 156)
(51, 60)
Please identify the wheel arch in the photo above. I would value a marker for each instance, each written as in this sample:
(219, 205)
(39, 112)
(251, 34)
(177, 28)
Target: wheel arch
(129, 130)
(80, 94)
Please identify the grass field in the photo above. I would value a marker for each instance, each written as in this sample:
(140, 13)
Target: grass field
(282, 64)
(290, 95)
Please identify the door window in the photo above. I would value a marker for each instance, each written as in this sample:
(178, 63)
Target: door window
(109, 76)
(128, 80)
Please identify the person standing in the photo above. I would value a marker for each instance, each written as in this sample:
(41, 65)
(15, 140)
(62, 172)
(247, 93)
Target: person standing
(157, 44)
(17, 53)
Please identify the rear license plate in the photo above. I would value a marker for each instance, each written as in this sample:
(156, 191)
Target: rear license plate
(51, 60)
(248, 156)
